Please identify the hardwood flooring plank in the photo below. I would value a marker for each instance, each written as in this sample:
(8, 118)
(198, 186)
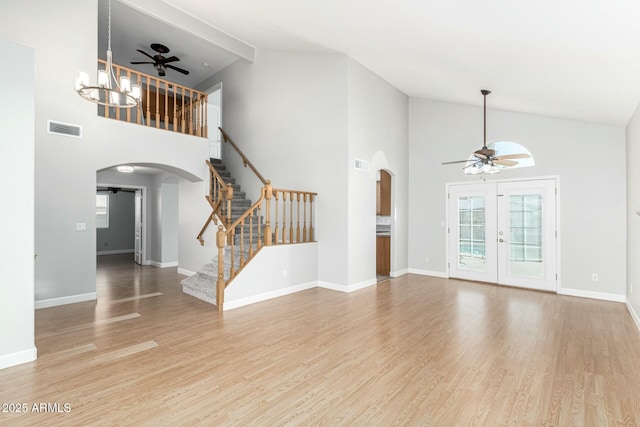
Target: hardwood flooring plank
(412, 350)
(124, 352)
(135, 298)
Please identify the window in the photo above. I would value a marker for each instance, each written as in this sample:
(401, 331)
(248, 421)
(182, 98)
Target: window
(102, 210)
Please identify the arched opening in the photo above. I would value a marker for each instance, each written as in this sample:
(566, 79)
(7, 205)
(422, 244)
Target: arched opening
(137, 224)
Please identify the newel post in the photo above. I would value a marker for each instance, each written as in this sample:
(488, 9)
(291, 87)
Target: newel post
(268, 237)
(220, 242)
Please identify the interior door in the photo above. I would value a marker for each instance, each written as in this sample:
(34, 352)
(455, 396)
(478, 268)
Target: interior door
(472, 231)
(137, 253)
(527, 234)
(504, 233)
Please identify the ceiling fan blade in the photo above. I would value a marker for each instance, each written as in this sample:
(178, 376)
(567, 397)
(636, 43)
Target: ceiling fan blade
(146, 54)
(513, 156)
(141, 62)
(480, 155)
(457, 161)
(504, 162)
(180, 70)
(170, 59)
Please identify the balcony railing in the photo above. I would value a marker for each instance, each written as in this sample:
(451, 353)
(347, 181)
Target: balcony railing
(164, 105)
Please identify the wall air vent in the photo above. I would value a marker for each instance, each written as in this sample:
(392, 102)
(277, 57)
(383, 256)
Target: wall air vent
(361, 165)
(65, 129)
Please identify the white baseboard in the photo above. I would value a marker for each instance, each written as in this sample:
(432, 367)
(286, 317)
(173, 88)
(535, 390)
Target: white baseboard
(18, 358)
(230, 305)
(185, 272)
(440, 274)
(115, 252)
(399, 272)
(633, 313)
(44, 303)
(163, 264)
(590, 294)
(347, 288)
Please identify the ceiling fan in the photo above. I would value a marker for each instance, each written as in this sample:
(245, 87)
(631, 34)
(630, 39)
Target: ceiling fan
(486, 160)
(161, 63)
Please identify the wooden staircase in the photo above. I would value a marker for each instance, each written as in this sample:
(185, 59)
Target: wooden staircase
(277, 217)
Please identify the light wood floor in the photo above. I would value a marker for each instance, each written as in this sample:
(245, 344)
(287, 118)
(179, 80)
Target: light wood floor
(409, 351)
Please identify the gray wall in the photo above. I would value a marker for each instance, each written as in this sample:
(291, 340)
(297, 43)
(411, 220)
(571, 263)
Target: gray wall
(17, 86)
(66, 265)
(120, 236)
(167, 190)
(303, 119)
(288, 112)
(588, 158)
(378, 133)
(633, 219)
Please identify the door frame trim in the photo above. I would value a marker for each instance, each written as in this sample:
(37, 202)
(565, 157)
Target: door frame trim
(143, 190)
(496, 181)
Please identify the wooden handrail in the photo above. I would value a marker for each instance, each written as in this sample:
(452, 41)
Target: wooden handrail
(245, 160)
(219, 192)
(296, 224)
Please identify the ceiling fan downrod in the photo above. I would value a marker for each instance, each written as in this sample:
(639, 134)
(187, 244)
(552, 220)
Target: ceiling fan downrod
(484, 93)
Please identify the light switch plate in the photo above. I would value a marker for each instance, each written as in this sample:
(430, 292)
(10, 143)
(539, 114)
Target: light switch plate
(81, 226)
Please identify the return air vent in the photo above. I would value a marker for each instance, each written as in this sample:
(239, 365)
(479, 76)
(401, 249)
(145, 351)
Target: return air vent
(361, 165)
(65, 129)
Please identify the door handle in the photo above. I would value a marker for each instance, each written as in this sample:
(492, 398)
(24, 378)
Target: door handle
(501, 240)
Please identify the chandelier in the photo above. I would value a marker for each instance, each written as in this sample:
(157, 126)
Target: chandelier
(108, 91)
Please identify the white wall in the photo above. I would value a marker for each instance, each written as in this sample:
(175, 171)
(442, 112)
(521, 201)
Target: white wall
(275, 271)
(378, 126)
(66, 261)
(288, 112)
(17, 86)
(633, 219)
(588, 158)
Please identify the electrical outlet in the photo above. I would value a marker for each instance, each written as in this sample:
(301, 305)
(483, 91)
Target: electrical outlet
(427, 259)
(594, 277)
(284, 273)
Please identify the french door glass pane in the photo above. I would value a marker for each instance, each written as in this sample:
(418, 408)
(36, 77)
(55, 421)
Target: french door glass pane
(525, 235)
(471, 233)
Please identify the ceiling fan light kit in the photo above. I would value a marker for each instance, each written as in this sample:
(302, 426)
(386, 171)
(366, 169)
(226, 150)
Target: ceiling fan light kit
(108, 91)
(487, 160)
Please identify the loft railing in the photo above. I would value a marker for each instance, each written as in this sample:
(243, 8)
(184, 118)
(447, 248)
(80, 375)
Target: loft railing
(164, 105)
(244, 237)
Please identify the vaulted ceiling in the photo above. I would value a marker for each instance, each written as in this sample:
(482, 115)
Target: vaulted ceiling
(576, 60)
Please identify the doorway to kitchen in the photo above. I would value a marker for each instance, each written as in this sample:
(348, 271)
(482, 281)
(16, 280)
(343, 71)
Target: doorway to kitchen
(383, 225)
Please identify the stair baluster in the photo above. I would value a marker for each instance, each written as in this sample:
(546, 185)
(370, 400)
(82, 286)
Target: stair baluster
(231, 235)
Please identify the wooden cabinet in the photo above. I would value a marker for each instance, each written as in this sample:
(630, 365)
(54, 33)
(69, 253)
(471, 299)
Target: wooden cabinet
(383, 255)
(383, 194)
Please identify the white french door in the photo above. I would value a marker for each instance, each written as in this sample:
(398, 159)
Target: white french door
(504, 233)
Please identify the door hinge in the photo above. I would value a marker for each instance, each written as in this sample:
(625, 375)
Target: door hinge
(556, 277)
(448, 230)
(448, 196)
(556, 234)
